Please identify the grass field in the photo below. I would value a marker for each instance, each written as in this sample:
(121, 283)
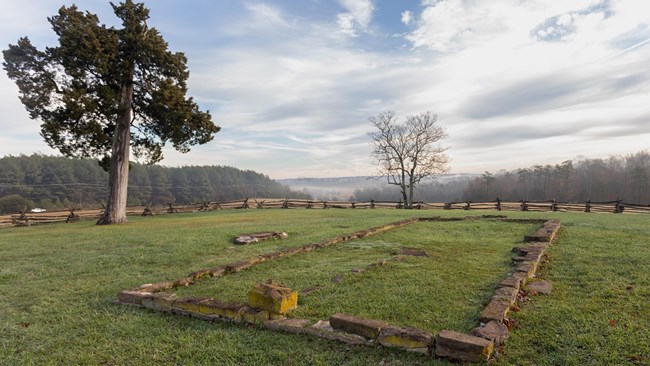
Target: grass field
(57, 284)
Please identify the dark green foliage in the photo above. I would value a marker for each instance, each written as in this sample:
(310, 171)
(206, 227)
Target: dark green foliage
(14, 203)
(75, 88)
(59, 182)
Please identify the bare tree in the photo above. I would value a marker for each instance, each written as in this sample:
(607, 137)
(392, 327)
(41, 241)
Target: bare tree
(407, 153)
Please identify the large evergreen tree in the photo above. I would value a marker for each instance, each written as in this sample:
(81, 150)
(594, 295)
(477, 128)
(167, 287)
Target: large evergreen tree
(103, 91)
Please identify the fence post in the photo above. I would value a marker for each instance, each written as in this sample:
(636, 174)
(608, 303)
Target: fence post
(372, 203)
(310, 204)
(554, 205)
(325, 205)
(498, 204)
(524, 205)
(245, 204)
(354, 204)
(467, 205)
(619, 208)
(399, 204)
(285, 204)
(447, 206)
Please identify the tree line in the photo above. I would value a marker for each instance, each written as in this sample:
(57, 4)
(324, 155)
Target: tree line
(617, 177)
(52, 182)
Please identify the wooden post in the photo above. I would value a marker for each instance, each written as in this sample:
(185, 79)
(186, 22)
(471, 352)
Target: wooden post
(71, 216)
(372, 203)
(554, 205)
(245, 204)
(447, 206)
(354, 205)
(619, 208)
(259, 204)
(325, 205)
(524, 205)
(467, 205)
(310, 204)
(588, 206)
(498, 204)
(285, 204)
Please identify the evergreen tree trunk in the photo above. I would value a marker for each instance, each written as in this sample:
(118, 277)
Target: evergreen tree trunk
(118, 179)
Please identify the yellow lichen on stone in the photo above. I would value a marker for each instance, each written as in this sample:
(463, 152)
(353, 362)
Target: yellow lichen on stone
(396, 341)
(272, 297)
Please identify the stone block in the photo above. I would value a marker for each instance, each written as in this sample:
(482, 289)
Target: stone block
(188, 305)
(160, 301)
(323, 329)
(526, 267)
(289, 325)
(273, 297)
(405, 338)
(506, 293)
(364, 327)
(494, 331)
(199, 274)
(540, 287)
(184, 282)
(237, 266)
(228, 310)
(523, 276)
(217, 271)
(156, 287)
(133, 297)
(253, 316)
(463, 347)
(495, 310)
(511, 281)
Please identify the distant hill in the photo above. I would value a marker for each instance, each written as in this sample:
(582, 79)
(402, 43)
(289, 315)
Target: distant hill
(366, 187)
(57, 182)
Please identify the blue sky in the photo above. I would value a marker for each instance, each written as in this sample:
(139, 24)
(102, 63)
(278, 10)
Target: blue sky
(292, 83)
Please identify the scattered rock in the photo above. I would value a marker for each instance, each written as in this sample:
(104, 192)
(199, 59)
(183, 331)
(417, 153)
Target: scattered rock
(244, 239)
(310, 289)
(337, 279)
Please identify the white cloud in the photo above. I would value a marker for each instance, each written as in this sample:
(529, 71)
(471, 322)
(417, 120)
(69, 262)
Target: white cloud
(357, 18)
(407, 16)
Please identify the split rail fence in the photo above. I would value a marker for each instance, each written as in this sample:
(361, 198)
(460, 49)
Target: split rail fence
(72, 215)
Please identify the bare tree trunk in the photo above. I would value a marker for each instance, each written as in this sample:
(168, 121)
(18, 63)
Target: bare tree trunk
(118, 179)
(411, 184)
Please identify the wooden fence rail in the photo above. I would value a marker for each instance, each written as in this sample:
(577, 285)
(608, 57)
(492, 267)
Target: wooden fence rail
(71, 215)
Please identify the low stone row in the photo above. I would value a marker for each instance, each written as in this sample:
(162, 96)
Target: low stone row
(250, 262)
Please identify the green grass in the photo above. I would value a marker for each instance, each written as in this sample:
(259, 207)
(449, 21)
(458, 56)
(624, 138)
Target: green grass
(445, 290)
(57, 284)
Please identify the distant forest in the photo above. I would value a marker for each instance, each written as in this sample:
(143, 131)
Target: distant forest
(624, 177)
(57, 182)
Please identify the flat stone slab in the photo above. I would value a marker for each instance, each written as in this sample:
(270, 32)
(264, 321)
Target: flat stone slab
(506, 293)
(540, 287)
(463, 347)
(244, 239)
(352, 324)
(494, 331)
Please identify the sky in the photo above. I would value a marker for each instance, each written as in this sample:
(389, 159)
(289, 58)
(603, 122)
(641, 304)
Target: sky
(293, 83)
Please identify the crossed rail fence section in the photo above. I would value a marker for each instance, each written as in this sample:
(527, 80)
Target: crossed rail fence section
(73, 214)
